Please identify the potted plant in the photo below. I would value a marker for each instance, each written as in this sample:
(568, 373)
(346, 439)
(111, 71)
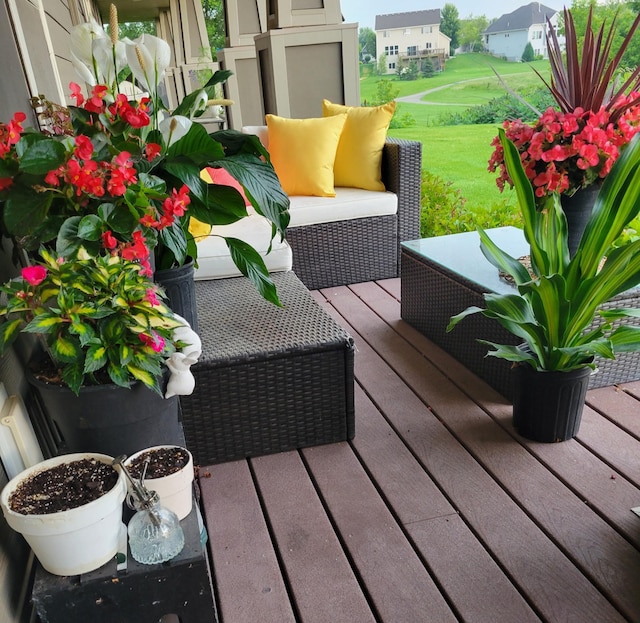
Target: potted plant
(122, 175)
(167, 470)
(553, 310)
(571, 149)
(69, 510)
(108, 339)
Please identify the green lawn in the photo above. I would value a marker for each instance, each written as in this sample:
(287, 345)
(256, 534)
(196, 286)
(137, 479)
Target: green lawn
(459, 154)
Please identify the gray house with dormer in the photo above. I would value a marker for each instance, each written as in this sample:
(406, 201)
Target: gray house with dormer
(510, 33)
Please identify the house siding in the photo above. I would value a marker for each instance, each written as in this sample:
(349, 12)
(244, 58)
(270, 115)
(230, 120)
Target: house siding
(508, 36)
(407, 34)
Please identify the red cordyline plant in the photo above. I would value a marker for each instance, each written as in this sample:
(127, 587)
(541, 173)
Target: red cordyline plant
(575, 146)
(585, 77)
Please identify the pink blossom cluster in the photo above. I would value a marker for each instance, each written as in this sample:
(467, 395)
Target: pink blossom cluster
(563, 152)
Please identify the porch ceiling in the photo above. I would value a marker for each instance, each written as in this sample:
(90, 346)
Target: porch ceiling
(133, 10)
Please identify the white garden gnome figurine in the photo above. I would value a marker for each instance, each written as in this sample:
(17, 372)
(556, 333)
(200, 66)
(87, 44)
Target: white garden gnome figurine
(181, 381)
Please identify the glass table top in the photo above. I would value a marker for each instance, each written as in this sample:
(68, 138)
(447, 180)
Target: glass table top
(460, 254)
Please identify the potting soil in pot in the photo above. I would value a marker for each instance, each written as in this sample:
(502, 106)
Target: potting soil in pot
(162, 462)
(62, 487)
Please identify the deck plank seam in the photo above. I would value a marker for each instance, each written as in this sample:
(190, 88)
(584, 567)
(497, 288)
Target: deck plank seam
(343, 544)
(281, 565)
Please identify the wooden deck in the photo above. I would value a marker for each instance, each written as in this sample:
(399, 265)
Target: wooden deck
(437, 511)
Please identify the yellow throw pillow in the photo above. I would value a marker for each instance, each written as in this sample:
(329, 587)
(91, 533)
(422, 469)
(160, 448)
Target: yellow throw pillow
(359, 156)
(303, 152)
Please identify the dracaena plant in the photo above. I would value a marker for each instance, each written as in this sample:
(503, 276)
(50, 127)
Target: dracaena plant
(553, 312)
(124, 178)
(99, 319)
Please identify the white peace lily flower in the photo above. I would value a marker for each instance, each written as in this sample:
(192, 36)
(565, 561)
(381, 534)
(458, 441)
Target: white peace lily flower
(155, 56)
(103, 55)
(84, 72)
(174, 128)
(200, 104)
(82, 38)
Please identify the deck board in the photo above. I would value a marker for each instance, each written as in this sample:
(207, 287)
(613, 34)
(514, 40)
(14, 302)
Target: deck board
(437, 510)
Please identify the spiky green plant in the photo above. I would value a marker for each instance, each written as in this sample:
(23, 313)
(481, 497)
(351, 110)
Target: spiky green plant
(553, 313)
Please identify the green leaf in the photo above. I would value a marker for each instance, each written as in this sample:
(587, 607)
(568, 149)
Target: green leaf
(44, 323)
(72, 375)
(626, 339)
(90, 227)
(251, 265)
(262, 187)
(197, 146)
(39, 154)
(144, 377)
(95, 359)
(68, 241)
(66, 350)
(25, 210)
(9, 331)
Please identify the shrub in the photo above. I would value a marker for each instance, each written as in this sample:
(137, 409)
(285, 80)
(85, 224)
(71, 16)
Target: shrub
(528, 55)
(445, 211)
(500, 108)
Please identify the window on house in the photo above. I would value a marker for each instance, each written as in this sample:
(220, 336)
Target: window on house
(392, 65)
(386, 33)
(406, 31)
(391, 50)
(426, 30)
(427, 45)
(412, 50)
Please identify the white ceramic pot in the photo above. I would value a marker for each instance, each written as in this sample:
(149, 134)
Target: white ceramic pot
(176, 490)
(74, 541)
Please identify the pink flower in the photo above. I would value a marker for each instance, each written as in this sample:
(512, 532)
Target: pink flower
(151, 297)
(562, 152)
(34, 275)
(155, 341)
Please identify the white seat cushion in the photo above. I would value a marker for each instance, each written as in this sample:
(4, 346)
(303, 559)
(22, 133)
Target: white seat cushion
(349, 203)
(214, 259)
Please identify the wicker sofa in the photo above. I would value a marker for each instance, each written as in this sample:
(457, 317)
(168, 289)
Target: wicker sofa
(337, 252)
(363, 249)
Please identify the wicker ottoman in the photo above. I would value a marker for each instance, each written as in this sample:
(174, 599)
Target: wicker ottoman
(269, 379)
(443, 276)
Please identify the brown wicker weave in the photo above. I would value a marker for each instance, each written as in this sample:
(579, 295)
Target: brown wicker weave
(431, 294)
(366, 249)
(269, 379)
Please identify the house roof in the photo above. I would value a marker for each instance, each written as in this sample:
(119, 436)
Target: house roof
(406, 20)
(522, 18)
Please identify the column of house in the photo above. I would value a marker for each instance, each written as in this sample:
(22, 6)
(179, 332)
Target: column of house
(286, 56)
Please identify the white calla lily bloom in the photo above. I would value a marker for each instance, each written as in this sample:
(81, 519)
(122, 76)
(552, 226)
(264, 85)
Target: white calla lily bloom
(154, 57)
(174, 128)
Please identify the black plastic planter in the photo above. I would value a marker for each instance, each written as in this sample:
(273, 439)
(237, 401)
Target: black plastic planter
(547, 406)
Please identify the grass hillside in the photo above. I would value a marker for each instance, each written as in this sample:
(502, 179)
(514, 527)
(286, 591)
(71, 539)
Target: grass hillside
(460, 192)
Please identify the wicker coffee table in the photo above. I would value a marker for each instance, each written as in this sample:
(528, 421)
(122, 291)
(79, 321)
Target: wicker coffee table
(442, 276)
(269, 379)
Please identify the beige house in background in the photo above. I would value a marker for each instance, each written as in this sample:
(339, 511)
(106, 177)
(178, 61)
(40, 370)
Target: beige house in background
(412, 36)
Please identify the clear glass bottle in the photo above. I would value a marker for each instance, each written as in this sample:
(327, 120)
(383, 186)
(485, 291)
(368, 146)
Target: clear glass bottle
(155, 533)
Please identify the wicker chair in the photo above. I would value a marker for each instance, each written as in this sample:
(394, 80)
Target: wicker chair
(366, 249)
